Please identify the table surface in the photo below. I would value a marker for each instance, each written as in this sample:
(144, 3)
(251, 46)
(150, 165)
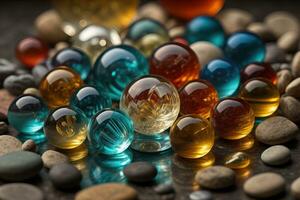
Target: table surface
(17, 18)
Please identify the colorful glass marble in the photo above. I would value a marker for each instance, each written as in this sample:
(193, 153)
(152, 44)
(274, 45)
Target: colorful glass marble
(90, 100)
(192, 136)
(73, 58)
(146, 35)
(116, 67)
(95, 39)
(184, 10)
(205, 28)
(244, 48)
(232, 118)
(176, 62)
(197, 97)
(153, 104)
(259, 70)
(262, 95)
(110, 131)
(223, 74)
(66, 128)
(27, 113)
(58, 85)
(31, 51)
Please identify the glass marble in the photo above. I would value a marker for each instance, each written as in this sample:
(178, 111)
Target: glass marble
(146, 35)
(197, 97)
(205, 28)
(176, 62)
(58, 85)
(27, 113)
(259, 70)
(192, 136)
(77, 14)
(223, 75)
(244, 48)
(73, 58)
(110, 131)
(116, 67)
(262, 95)
(66, 128)
(232, 118)
(184, 10)
(90, 100)
(31, 51)
(237, 160)
(95, 39)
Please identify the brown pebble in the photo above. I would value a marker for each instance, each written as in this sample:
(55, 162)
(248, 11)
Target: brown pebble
(296, 65)
(152, 10)
(284, 77)
(20, 191)
(262, 31)
(29, 145)
(3, 128)
(289, 41)
(108, 191)
(32, 91)
(293, 88)
(295, 188)
(9, 144)
(290, 108)
(51, 158)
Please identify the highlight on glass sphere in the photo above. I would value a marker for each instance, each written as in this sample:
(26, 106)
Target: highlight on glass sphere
(259, 70)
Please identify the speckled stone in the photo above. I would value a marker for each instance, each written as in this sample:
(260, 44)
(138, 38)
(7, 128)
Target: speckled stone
(111, 191)
(293, 88)
(290, 108)
(9, 144)
(215, 177)
(264, 185)
(276, 155)
(295, 188)
(51, 158)
(140, 172)
(29, 145)
(284, 77)
(20, 191)
(276, 130)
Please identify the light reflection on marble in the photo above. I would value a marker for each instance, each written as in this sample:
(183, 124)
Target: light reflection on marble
(38, 137)
(237, 145)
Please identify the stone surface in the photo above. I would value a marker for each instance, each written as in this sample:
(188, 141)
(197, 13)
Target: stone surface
(152, 10)
(201, 195)
(264, 185)
(296, 65)
(111, 191)
(262, 31)
(293, 88)
(65, 176)
(3, 118)
(3, 128)
(9, 144)
(20, 165)
(284, 77)
(7, 68)
(51, 158)
(17, 84)
(39, 72)
(33, 91)
(6, 99)
(290, 108)
(140, 172)
(20, 191)
(276, 130)
(276, 155)
(164, 188)
(289, 41)
(295, 188)
(29, 145)
(215, 177)
(274, 54)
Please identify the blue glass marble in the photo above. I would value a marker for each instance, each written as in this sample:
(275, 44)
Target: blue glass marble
(27, 113)
(110, 131)
(244, 48)
(90, 100)
(205, 28)
(116, 67)
(223, 74)
(38, 137)
(75, 59)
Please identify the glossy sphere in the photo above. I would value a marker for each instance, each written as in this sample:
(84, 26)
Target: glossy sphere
(197, 97)
(66, 128)
(224, 76)
(262, 95)
(117, 67)
(146, 35)
(192, 136)
(95, 39)
(152, 103)
(58, 85)
(237, 160)
(90, 100)
(232, 118)
(75, 59)
(31, 51)
(259, 70)
(184, 10)
(205, 28)
(27, 113)
(110, 131)
(244, 48)
(176, 62)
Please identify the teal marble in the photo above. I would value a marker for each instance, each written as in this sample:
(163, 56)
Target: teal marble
(27, 114)
(110, 131)
(223, 74)
(244, 48)
(116, 67)
(90, 100)
(205, 28)
(75, 59)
